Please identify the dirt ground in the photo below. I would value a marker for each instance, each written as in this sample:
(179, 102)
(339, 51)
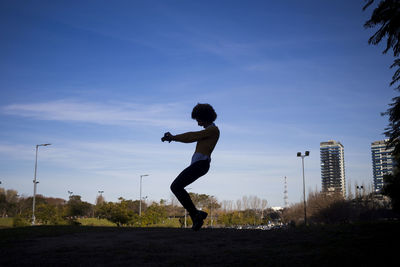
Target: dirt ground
(333, 246)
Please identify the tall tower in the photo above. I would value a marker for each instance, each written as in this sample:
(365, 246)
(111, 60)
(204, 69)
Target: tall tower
(382, 162)
(332, 167)
(285, 195)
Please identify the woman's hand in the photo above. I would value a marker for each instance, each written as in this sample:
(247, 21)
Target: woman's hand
(167, 137)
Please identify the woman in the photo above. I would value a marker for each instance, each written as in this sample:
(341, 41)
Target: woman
(206, 140)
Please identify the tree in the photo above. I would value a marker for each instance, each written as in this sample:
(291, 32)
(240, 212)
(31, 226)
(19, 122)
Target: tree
(212, 206)
(48, 214)
(392, 189)
(133, 205)
(264, 204)
(227, 205)
(387, 17)
(3, 202)
(8, 202)
(200, 200)
(118, 213)
(77, 207)
(154, 214)
(239, 204)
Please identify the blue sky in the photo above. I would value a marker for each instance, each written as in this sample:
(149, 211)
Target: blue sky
(103, 81)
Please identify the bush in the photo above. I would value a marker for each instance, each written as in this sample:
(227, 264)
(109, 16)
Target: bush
(338, 211)
(73, 221)
(117, 213)
(19, 221)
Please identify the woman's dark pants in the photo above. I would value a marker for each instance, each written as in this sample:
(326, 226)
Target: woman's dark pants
(186, 177)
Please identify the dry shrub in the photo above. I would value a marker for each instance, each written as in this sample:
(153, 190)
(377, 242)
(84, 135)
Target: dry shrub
(321, 208)
(294, 214)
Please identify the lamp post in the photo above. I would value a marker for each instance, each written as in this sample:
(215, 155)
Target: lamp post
(306, 154)
(140, 197)
(34, 185)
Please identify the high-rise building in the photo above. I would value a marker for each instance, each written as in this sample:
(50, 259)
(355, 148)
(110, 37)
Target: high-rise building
(332, 167)
(382, 162)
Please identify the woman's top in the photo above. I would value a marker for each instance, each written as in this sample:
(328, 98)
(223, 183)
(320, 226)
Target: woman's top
(206, 140)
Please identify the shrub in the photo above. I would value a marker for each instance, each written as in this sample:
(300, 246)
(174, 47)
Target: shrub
(19, 221)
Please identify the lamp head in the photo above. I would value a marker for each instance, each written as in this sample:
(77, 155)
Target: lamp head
(44, 145)
(307, 153)
(299, 154)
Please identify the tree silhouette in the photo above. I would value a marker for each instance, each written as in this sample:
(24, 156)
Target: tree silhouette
(386, 16)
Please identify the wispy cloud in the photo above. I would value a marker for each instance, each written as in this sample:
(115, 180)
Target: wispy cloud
(119, 113)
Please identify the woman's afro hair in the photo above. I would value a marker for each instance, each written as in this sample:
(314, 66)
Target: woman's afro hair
(204, 112)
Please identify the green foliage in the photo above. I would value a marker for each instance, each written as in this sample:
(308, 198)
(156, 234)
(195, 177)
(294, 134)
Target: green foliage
(19, 221)
(230, 219)
(199, 200)
(3, 202)
(181, 221)
(8, 202)
(154, 214)
(77, 207)
(50, 214)
(133, 205)
(204, 201)
(118, 213)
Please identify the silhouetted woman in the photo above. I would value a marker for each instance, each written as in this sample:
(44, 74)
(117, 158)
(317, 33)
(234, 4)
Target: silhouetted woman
(206, 140)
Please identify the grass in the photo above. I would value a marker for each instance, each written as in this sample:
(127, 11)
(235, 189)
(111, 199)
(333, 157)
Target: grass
(6, 222)
(168, 223)
(96, 222)
(365, 244)
(87, 225)
(172, 223)
(17, 234)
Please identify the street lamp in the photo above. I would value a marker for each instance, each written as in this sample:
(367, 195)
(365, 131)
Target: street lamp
(34, 184)
(140, 197)
(306, 154)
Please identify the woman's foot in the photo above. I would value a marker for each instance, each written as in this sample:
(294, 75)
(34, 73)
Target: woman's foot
(198, 220)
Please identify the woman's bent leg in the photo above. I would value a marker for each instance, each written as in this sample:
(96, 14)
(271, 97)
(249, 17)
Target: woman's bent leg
(186, 177)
